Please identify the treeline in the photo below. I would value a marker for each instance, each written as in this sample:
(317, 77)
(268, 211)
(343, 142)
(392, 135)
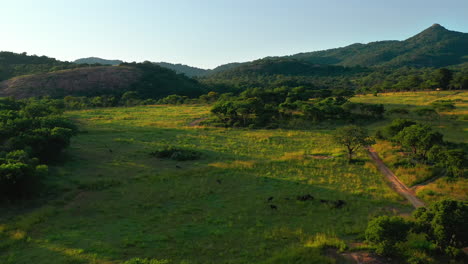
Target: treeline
(269, 74)
(133, 98)
(412, 79)
(33, 133)
(271, 108)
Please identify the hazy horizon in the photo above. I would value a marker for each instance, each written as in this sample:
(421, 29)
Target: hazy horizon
(212, 33)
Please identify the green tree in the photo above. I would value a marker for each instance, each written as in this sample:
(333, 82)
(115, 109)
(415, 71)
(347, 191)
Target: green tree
(385, 232)
(352, 137)
(444, 223)
(419, 139)
(396, 126)
(443, 77)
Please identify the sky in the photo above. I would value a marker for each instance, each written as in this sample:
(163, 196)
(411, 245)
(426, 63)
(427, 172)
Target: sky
(208, 33)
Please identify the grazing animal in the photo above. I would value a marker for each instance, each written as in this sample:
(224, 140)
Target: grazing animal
(323, 201)
(305, 197)
(286, 198)
(338, 204)
(110, 150)
(177, 166)
(218, 181)
(270, 198)
(273, 207)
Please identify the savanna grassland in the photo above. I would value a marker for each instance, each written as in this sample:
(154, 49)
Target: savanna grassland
(112, 201)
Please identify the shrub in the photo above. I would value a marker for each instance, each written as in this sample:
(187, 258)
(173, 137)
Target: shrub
(19, 175)
(385, 232)
(175, 153)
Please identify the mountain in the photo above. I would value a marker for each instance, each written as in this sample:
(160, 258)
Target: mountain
(434, 47)
(149, 80)
(95, 60)
(185, 69)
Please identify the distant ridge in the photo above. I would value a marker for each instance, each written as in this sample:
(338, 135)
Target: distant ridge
(96, 60)
(185, 69)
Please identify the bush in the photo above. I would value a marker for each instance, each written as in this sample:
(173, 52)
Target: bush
(175, 153)
(19, 175)
(30, 131)
(385, 232)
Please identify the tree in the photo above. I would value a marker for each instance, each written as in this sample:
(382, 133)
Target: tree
(385, 232)
(454, 161)
(352, 137)
(396, 126)
(129, 98)
(419, 139)
(444, 223)
(443, 77)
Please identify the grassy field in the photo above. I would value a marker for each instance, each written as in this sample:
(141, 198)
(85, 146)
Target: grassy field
(112, 201)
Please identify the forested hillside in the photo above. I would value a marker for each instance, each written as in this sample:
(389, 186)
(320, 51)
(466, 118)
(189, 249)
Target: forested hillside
(433, 47)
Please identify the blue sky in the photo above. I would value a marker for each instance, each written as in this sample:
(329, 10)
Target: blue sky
(207, 33)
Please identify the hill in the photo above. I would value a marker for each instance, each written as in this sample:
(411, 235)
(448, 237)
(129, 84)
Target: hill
(184, 69)
(95, 60)
(17, 64)
(150, 81)
(434, 47)
(198, 72)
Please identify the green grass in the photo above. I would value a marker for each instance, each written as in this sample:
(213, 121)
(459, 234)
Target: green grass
(112, 201)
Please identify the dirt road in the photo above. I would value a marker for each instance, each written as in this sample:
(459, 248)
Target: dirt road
(395, 183)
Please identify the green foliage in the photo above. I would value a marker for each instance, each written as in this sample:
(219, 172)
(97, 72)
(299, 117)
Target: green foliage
(444, 223)
(455, 161)
(396, 126)
(32, 131)
(176, 153)
(20, 175)
(173, 99)
(419, 139)
(385, 232)
(353, 138)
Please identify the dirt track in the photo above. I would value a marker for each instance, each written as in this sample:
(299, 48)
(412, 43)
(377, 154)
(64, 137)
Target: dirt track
(395, 183)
